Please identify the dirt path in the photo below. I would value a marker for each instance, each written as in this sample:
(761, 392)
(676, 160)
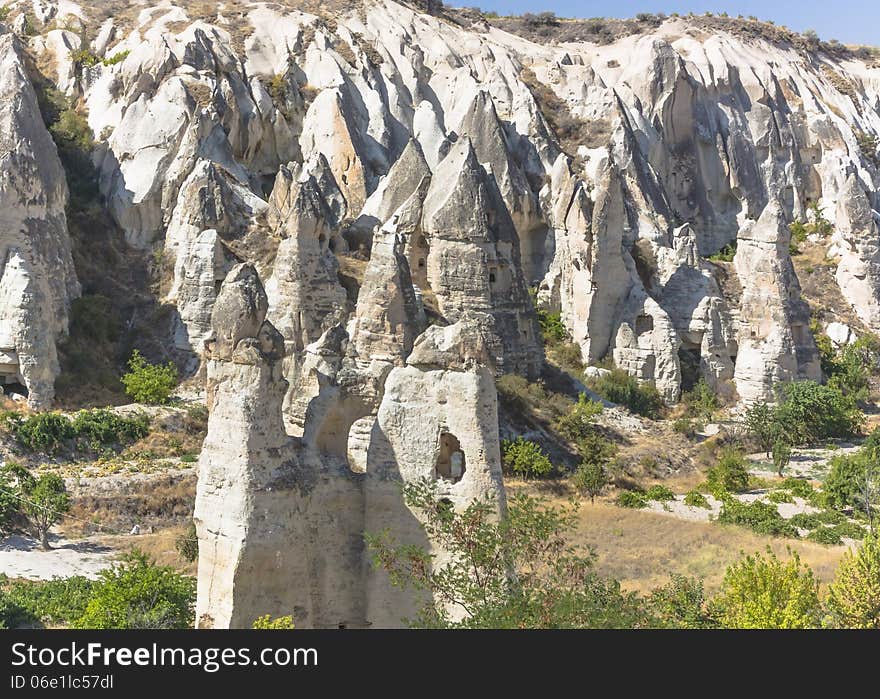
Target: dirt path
(22, 557)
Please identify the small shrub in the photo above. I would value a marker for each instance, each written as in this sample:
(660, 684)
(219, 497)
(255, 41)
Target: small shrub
(106, 427)
(758, 516)
(116, 58)
(276, 623)
(619, 387)
(798, 486)
(729, 473)
(725, 254)
(778, 496)
(825, 535)
(854, 596)
(149, 383)
(659, 493)
(525, 458)
(189, 458)
(701, 401)
(696, 499)
(803, 520)
(632, 499)
(552, 328)
(590, 479)
(56, 601)
(684, 426)
(44, 432)
(187, 544)
(577, 424)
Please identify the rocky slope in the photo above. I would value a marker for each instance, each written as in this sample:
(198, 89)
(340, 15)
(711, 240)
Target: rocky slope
(352, 204)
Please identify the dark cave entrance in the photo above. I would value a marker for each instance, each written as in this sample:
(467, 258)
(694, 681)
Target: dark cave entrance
(450, 461)
(689, 360)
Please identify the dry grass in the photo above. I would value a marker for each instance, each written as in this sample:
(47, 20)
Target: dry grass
(642, 548)
(160, 546)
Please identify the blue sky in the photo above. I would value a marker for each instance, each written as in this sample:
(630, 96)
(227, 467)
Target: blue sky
(849, 21)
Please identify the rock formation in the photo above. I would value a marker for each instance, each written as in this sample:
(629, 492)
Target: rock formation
(281, 520)
(37, 279)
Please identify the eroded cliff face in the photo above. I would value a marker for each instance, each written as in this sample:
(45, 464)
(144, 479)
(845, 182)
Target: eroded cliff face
(288, 140)
(407, 187)
(37, 279)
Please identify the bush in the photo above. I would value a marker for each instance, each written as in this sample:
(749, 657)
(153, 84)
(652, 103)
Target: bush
(854, 596)
(659, 493)
(730, 473)
(684, 426)
(590, 479)
(577, 423)
(138, 594)
(778, 496)
(679, 605)
(766, 593)
(825, 535)
(43, 432)
(56, 601)
(623, 389)
(846, 482)
(758, 516)
(594, 448)
(525, 458)
(187, 544)
(701, 401)
(725, 254)
(105, 427)
(695, 499)
(149, 383)
(798, 486)
(632, 499)
(116, 58)
(268, 622)
(552, 328)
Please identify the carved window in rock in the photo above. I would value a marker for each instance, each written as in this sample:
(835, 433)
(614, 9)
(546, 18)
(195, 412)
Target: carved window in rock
(644, 324)
(798, 334)
(450, 464)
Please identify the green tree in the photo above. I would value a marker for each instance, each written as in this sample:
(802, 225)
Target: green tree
(43, 500)
(854, 596)
(268, 622)
(138, 594)
(149, 383)
(761, 592)
(781, 455)
(810, 412)
(525, 458)
(9, 500)
(701, 401)
(762, 426)
(590, 478)
(513, 570)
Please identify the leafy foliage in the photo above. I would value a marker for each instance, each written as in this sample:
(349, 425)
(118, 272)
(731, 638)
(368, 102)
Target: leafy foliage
(632, 499)
(660, 493)
(552, 327)
(758, 516)
(725, 254)
(525, 458)
(187, 544)
(810, 412)
(57, 601)
(552, 584)
(95, 428)
(276, 623)
(138, 594)
(590, 479)
(701, 401)
(149, 383)
(730, 473)
(761, 592)
(696, 499)
(42, 500)
(619, 387)
(681, 604)
(577, 423)
(854, 596)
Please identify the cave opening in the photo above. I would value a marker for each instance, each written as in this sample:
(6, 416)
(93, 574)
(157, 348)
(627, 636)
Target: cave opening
(450, 464)
(689, 361)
